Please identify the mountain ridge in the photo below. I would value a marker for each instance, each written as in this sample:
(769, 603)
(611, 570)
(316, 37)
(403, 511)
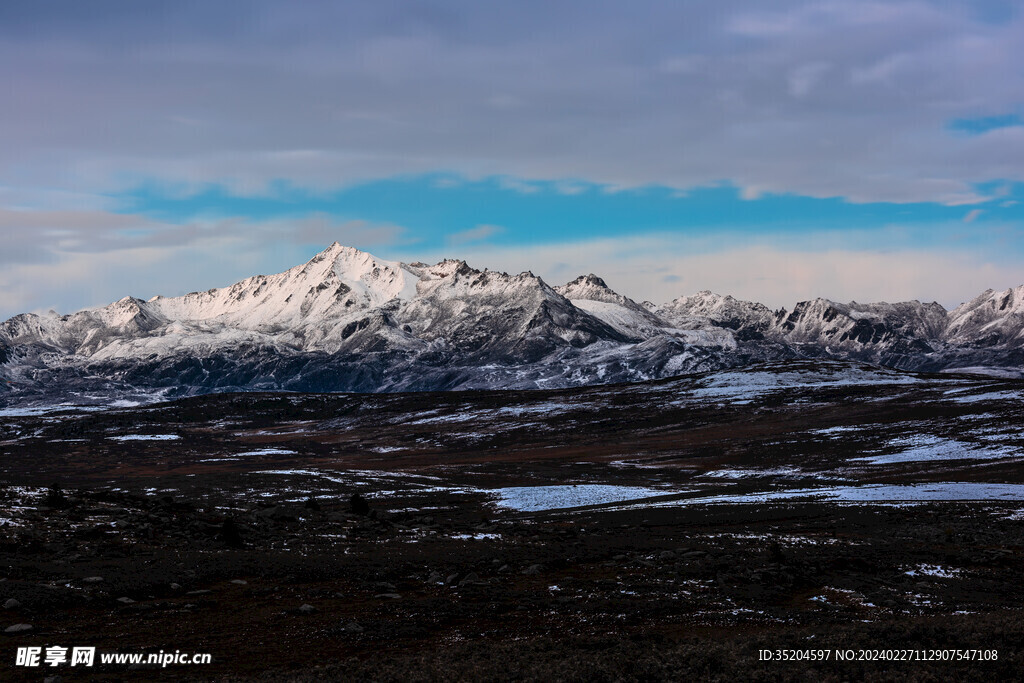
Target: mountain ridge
(347, 320)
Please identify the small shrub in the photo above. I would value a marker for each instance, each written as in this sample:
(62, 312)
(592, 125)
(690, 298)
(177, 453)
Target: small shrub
(359, 504)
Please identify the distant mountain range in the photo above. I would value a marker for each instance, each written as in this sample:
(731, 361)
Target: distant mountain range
(348, 321)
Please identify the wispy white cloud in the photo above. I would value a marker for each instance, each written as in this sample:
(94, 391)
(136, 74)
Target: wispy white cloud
(518, 185)
(478, 234)
(804, 77)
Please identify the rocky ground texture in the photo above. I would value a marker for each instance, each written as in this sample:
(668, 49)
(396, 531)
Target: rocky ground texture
(664, 530)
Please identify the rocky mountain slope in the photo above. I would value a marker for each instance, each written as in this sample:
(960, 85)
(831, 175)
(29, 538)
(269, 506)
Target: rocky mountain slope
(347, 320)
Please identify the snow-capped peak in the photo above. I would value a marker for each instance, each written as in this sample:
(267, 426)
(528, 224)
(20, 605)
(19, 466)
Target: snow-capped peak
(591, 294)
(335, 282)
(378, 280)
(585, 284)
(592, 288)
(708, 303)
(705, 308)
(347, 319)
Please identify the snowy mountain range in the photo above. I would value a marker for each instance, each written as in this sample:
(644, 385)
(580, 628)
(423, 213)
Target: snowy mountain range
(348, 321)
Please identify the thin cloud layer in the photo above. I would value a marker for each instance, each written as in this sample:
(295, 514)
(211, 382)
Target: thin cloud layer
(659, 268)
(816, 98)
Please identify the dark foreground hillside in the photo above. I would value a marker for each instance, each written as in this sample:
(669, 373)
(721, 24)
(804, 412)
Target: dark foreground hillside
(659, 531)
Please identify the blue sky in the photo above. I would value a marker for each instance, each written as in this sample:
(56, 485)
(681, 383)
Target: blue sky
(983, 124)
(447, 211)
(777, 152)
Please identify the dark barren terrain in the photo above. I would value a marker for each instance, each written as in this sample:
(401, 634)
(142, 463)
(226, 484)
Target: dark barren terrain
(663, 530)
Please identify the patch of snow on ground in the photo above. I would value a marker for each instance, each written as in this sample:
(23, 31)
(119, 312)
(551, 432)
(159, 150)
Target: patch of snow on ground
(265, 451)
(997, 434)
(977, 417)
(376, 478)
(549, 408)
(988, 396)
(748, 384)
(26, 412)
(789, 539)
(626, 463)
(870, 493)
(145, 437)
(839, 431)
(926, 447)
(746, 473)
(34, 411)
(249, 454)
(933, 570)
(381, 474)
(1011, 373)
(536, 498)
(420, 489)
(446, 419)
(475, 537)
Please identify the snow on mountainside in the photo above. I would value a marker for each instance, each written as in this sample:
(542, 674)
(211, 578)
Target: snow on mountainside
(480, 313)
(304, 305)
(84, 331)
(706, 309)
(990, 319)
(346, 320)
(891, 334)
(831, 322)
(334, 283)
(591, 294)
(592, 288)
